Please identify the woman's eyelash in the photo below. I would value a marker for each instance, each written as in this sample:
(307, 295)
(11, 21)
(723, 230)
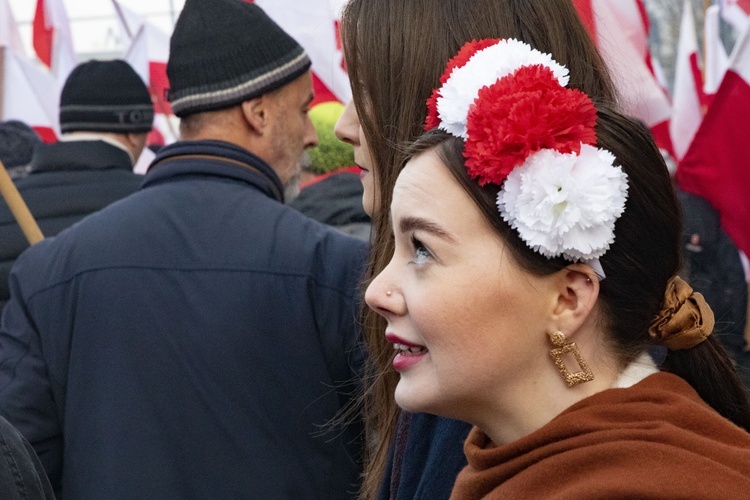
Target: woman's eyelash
(420, 250)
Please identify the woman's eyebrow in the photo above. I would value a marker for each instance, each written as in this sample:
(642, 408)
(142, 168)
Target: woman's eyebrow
(408, 224)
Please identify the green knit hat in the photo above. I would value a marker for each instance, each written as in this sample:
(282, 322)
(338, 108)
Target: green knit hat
(330, 153)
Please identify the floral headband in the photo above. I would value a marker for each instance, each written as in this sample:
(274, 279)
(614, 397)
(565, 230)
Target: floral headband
(526, 131)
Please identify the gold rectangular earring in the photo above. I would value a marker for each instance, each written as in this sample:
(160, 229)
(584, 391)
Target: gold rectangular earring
(562, 345)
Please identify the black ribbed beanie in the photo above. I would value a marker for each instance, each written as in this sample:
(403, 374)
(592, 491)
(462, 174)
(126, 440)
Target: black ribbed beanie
(105, 96)
(223, 52)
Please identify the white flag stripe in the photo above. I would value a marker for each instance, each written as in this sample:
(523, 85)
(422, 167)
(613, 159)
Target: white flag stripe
(717, 60)
(9, 34)
(687, 113)
(640, 94)
(735, 15)
(30, 93)
(312, 24)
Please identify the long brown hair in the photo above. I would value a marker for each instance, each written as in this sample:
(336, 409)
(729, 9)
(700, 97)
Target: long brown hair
(645, 255)
(395, 52)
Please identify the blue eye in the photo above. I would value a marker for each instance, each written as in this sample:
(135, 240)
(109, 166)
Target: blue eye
(421, 253)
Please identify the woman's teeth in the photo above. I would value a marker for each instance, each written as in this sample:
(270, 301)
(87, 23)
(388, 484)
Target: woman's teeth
(406, 349)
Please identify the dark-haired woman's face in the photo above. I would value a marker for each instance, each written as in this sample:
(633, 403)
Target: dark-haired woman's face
(468, 324)
(349, 129)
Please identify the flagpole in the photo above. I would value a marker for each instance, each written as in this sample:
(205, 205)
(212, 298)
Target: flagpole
(18, 208)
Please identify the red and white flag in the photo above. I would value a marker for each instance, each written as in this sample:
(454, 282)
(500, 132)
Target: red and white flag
(620, 31)
(736, 13)
(148, 54)
(52, 39)
(29, 94)
(632, 17)
(314, 25)
(716, 165)
(717, 60)
(687, 102)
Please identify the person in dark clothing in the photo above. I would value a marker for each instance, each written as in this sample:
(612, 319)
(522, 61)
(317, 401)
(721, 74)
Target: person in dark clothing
(105, 114)
(330, 189)
(713, 268)
(195, 339)
(17, 143)
(22, 476)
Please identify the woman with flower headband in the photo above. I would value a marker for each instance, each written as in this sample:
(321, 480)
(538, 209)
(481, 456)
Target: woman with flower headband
(395, 52)
(532, 292)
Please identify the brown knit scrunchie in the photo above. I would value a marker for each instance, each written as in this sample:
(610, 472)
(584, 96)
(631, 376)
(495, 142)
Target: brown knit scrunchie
(685, 319)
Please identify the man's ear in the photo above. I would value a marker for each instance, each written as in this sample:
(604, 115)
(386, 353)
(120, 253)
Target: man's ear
(577, 293)
(256, 113)
(135, 142)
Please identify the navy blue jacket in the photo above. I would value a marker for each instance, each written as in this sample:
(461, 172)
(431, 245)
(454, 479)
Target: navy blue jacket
(426, 456)
(68, 181)
(190, 341)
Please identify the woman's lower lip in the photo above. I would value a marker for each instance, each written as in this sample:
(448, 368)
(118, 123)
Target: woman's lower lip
(403, 362)
(363, 173)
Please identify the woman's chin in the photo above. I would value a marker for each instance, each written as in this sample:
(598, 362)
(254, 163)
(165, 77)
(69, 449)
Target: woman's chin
(410, 399)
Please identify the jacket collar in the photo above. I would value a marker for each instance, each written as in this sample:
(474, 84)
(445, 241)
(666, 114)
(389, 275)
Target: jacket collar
(79, 155)
(215, 158)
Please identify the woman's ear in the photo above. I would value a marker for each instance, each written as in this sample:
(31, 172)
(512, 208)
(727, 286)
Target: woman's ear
(578, 289)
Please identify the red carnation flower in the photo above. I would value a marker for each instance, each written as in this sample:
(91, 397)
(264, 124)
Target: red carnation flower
(459, 60)
(519, 115)
(432, 119)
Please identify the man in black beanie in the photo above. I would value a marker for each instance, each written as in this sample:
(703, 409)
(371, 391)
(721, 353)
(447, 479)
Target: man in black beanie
(105, 114)
(196, 339)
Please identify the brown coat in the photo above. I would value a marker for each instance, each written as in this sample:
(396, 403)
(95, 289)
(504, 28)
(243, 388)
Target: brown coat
(657, 439)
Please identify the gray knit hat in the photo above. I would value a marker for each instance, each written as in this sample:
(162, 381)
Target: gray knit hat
(223, 52)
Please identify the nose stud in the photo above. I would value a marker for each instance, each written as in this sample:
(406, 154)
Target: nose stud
(389, 292)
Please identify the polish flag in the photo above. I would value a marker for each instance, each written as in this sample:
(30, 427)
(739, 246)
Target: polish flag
(687, 101)
(632, 17)
(148, 54)
(736, 13)
(9, 35)
(716, 165)
(52, 39)
(620, 31)
(717, 60)
(29, 94)
(314, 25)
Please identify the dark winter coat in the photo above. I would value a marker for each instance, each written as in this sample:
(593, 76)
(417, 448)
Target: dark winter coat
(335, 199)
(713, 268)
(426, 456)
(190, 341)
(68, 181)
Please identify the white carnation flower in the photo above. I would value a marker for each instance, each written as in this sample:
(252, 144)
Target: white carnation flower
(483, 69)
(565, 204)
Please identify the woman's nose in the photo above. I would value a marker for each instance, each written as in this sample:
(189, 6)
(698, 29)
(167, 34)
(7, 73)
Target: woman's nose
(383, 297)
(347, 126)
